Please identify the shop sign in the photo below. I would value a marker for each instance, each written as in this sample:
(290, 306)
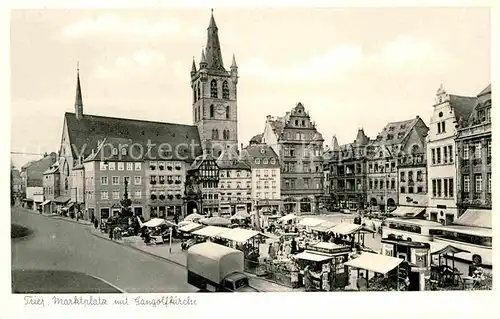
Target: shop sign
(421, 258)
(388, 250)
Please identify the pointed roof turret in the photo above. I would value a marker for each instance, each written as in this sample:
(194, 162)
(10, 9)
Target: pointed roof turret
(203, 60)
(233, 64)
(361, 138)
(78, 98)
(335, 144)
(193, 67)
(213, 51)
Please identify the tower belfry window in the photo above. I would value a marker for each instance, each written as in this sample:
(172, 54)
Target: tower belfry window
(227, 112)
(199, 90)
(195, 96)
(211, 111)
(213, 89)
(225, 90)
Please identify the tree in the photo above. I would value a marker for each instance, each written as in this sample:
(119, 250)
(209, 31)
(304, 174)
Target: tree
(125, 203)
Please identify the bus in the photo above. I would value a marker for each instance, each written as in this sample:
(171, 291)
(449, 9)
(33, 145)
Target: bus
(409, 229)
(476, 240)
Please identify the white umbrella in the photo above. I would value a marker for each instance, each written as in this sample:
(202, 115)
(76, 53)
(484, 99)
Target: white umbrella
(215, 221)
(193, 217)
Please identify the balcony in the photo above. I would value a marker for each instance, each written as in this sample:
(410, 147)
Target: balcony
(481, 128)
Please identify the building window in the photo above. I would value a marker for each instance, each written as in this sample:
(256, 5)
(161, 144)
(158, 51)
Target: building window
(213, 89)
(434, 188)
(215, 134)
(433, 151)
(112, 166)
(130, 166)
(466, 183)
(104, 194)
(104, 180)
(138, 194)
(257, 184)
(393, 184)
(403, 190)
(137, 180)
(450, 153)
(116, 194)
(479, 183)
(153, 180)
(115, 180)
(445, 187)
(138, 166)
(225, 90)
(115, 151)
(450, 187)
(420, 189)
(489, 182)
(489, 148)
(439, 189)
(477, 150)
(227, 112)
(126, 179)
(466, 152)
(121, 166)
(212, 111)
(410, 190)
(445, 155)
(152, 166)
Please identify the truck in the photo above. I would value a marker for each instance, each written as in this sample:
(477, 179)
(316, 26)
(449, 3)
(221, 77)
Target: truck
(216, 268)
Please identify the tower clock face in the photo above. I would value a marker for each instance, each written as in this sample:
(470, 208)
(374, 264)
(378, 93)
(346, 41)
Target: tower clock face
(220, 109)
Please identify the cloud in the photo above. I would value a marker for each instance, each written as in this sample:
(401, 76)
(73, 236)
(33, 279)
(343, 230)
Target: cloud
(113, 24)
(339, 60)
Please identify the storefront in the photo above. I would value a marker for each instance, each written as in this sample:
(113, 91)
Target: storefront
(268, 206)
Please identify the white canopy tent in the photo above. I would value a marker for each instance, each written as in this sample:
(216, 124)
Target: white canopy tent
(312, 257)
(239, 235)
(211, 231)
(348, 229)
(155, 222)
(191, 227)
(310, 222)
(377, 263)
(287, 218)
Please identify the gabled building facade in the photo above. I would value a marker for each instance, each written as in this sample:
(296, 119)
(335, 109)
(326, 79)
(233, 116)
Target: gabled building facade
(449, 111)
(202, 186)
(235, 184)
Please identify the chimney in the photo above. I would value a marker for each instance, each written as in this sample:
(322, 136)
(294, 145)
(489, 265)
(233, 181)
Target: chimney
(268, 118)
(45, 155)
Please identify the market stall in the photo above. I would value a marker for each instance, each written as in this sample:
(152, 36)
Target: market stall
(326, 263)
(443, 274)
(215, 221)
(193, 217)
(309, 222)
(345, 233)
(287, 219)
(241, 218)
(244, 240)
(385, 269)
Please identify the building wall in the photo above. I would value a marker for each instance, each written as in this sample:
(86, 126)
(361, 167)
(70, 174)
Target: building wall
(78, 185)
(270, 138)
(90, 189)
(382, 182)
(32, 175)
(33, 191)
(109, 186)
(166, 180)
(413, 192)
(65, 162)
(235, 188)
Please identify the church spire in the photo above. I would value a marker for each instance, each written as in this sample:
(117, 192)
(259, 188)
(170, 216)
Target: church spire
(213, 51)
(203, 60)
(233, 64)
(78, 98)
(193, 68)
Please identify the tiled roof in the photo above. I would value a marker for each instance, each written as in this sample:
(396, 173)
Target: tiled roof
(278, 125)
(200, 159)
(231, 160)
(463, 105)
(251, 152)
(486, 90)
(51, 170)
(85, 133)
(398, 130)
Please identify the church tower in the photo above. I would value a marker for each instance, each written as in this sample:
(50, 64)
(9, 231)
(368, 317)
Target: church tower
(215, 96)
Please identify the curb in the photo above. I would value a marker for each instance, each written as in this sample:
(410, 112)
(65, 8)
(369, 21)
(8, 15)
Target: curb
(69, 220)
(138, 249)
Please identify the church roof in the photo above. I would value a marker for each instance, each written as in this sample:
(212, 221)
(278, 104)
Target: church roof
(85, 133)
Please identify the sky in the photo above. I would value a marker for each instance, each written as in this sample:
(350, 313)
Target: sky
(351, 68)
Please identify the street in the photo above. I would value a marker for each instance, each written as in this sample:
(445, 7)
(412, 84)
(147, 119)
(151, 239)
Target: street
(62, 246)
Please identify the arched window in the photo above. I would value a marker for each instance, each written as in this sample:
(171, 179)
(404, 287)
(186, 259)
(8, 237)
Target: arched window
(213, 89)
(227, 112)
(195, 96)
(199, 91)
(216, 137)
(211, 111)
(225, 90)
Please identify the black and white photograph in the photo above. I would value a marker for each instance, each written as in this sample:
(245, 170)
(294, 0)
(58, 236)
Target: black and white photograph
(185, 150)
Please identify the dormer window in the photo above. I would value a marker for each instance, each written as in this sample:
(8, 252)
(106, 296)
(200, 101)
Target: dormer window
(153, 196)
(273, 161)
(264, 161)
(390, 137)
(152, 166)
(161, 166)
(257, 161)
(124, 151)
(403, 126)
(115, 151)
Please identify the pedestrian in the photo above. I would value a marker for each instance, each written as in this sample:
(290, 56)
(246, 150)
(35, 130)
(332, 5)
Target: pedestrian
(272, 251)
(293, 245)
(111, 230)
(362, 283)
(96, 223)
(374, 229)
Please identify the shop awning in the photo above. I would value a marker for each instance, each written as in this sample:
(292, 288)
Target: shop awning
(408, 211)
(475, 218)
(311, 222)
(324, 227)
(62, 199)
(287, 218)
(45, 202)
(210, 231)
(191, 227)
(155, 222)
(474, 231)
(348, 229)
(312, 257)
(239, 235)
(449, 250)
(326, 245)
(380, 264)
